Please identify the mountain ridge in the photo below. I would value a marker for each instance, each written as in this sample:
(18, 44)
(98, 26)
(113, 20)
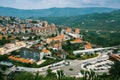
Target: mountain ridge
(52, 12)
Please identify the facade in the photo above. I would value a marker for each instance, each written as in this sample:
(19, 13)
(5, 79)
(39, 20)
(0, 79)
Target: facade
(45, 30)
(34, 54)
(59, 38)
(31, 54)
(7, 48)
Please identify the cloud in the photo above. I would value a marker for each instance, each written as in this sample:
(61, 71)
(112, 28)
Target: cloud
(39, 4)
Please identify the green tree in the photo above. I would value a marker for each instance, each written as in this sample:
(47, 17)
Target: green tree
(89, 75)
(1, 76)
(23, 76)
(37, 76)
(60, 74)
(50, 75)
(115, 69)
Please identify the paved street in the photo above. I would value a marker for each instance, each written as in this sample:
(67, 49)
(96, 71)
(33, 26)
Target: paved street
(75, 65)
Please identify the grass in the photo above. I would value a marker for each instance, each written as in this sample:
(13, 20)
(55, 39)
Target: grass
(87, 56)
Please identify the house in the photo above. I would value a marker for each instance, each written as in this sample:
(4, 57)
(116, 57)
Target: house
(57, 46)
(46, 52)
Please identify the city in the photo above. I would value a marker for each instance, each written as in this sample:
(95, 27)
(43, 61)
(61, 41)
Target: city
(39, 48)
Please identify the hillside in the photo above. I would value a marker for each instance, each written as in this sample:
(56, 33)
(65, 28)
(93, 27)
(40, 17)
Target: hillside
(52, 12)
(102, 21)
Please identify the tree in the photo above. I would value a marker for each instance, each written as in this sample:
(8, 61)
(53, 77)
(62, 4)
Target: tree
(49, 72)
(37, 76)
(115, 69)
(23, 76)
(50, 75)
(60, 74)
(1, 76)
(89, 75)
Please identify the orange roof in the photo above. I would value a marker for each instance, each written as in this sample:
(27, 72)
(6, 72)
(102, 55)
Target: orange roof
(88, 46)
(62, 36)
(45, 51)
(19, 59)
(57, 45)
(76, 41)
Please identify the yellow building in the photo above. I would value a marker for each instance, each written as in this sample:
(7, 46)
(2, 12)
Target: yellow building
(59, 38)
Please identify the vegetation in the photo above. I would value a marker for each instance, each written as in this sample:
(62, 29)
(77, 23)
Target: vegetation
(68, 47)
(49, 61)
(86, 56)
(4, 41)
(1, 76)
(102, 38)
(96, 21)
(115, 71)
(4, 57)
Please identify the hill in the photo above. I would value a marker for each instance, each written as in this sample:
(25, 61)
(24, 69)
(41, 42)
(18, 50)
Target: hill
(101, 21)
(52, 12)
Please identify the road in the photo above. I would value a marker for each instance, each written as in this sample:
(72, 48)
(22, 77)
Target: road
(75, 65)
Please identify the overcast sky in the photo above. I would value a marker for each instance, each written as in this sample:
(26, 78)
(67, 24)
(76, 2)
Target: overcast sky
(41, 4)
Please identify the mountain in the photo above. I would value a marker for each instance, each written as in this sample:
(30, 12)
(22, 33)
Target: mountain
(97, 21)
(52, 12)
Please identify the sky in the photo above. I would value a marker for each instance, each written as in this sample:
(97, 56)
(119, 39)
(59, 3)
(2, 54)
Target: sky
(43, 4)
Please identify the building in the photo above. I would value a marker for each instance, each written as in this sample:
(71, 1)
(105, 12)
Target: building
(46, 52)
(115, 57)
(45, 30)
(31, 54)
(59, 38)
(88, 51)
(7, 48)
(77, 31)
(68, 30)
(57, 46)
(35, 54)
(39, 46)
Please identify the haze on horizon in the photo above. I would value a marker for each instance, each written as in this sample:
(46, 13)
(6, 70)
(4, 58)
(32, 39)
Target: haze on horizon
(42, 4)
